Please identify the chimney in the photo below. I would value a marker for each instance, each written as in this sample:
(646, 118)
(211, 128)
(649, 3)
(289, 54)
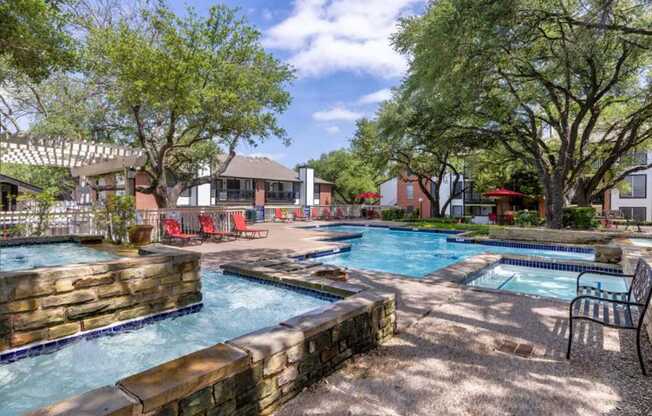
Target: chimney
(307, 178)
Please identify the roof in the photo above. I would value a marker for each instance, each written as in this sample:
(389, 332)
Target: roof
(19, 183)
(250, 167)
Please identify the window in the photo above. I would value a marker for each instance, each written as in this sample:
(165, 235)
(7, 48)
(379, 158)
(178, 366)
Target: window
(477, 211)
(636, 187)
(457, 211)
(634, 213)
(316, 193)
(185, 193)
(409, 190)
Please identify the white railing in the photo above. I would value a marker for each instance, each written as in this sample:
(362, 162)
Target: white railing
(27, 223)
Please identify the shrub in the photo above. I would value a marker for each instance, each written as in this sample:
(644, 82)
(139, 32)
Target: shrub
(392, 214)
(413, 216)
(579, 218)
(527, 218)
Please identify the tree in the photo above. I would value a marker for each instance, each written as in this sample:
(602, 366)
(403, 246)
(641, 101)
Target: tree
(32, 37)
(186, 90)
(350, 175)
(408, 137)
(570, 100)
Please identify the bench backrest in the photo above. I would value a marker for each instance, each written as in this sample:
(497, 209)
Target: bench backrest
(172, 226)
(207, 224)
(641, 289)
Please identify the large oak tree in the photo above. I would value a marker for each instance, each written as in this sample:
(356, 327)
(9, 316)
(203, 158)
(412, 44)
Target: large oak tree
(545, 79)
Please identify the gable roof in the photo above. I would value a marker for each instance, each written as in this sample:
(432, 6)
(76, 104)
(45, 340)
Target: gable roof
(19, 183)
(250, 167)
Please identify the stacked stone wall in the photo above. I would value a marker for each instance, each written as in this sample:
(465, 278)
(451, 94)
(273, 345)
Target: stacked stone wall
(51, 303)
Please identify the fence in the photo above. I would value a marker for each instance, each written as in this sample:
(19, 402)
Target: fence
(86, 221)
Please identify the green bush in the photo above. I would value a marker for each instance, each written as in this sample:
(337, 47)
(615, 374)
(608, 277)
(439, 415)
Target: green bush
(527, 218)
(579, 218)
(413, 216)
(393, 214)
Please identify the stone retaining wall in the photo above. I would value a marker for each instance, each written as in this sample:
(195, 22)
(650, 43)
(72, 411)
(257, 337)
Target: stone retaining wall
(251, 375)
(546, 235)
(54, 302)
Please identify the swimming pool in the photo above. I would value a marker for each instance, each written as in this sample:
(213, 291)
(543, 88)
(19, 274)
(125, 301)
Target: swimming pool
(30, 256)
(642, 242)
(543, 282)
(416, 254)
(233, 306)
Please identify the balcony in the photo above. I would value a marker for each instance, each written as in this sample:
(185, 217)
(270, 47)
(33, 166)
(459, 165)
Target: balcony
(235, 195)
(477, 198)
(276, 196)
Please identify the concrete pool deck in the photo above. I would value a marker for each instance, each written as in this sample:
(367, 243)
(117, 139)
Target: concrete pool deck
(461, 351)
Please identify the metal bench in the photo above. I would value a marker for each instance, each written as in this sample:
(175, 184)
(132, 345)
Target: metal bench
(621, 310)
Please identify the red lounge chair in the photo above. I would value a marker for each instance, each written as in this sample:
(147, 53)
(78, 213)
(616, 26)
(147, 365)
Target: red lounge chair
(326, 214)
(299, 216)
(173, 232)
(339, 214)
(240, 228)
(314, 214)
(208, 228)
(279, 216)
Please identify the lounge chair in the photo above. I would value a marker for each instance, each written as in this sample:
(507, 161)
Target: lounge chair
(208, 229)
(326, 214)
(620, 310)
(279, 216)
(339, 214)
(240, 228)
(314, 214)
(174, 233)
(299, 215)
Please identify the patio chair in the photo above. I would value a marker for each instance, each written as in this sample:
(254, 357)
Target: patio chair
(240, 228)
(339, 214)
(299, 215)
(620, 310)
(279, 216)
(326, 214)
(208, 229)
(314, 214)
(174, 233)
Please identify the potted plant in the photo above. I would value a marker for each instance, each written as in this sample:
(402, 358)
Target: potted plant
(140, 234)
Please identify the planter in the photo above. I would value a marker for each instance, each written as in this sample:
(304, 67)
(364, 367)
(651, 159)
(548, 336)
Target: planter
(140, 235)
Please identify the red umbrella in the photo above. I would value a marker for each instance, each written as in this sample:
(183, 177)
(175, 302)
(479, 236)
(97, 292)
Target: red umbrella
(368, 195)
(503, 193)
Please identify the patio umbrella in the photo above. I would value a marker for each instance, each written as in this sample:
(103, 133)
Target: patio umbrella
(368, 195)
(503, 193)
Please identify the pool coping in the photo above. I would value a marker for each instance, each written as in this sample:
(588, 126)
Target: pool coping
(53, 239)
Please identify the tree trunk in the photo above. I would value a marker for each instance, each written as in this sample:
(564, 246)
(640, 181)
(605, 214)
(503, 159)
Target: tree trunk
(434, 199)
(554, 205)
(166, 197)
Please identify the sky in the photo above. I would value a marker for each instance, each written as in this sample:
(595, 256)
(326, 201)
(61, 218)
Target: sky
(344, 63)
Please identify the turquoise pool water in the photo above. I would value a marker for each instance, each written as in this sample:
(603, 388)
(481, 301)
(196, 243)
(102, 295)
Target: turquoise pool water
(418, 253)
(642, 242)
(233, 306)
(42, 255)
(543, 282)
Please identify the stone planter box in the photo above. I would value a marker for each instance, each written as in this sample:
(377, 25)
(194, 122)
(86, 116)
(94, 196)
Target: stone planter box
(46, 304)
(551, 236)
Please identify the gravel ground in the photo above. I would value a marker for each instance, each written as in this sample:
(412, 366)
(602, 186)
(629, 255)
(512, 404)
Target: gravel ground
(445, 361)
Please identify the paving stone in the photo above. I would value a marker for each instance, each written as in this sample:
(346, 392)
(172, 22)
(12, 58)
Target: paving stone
(104, 401)
(268, 341)
(71, 298)
(38, 319)
(98, 321)
(63, 330)
(22, 338)
(19, 306)
(197, 402)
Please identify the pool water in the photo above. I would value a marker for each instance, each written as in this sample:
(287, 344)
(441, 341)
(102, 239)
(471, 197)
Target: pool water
(233, 306)
(543, 282)
(42, 255)
(416, 254)
(642, 242)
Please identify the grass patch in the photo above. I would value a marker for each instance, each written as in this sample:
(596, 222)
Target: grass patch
(476, 229)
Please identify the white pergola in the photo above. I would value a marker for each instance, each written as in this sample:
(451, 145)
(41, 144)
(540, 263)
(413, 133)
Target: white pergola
(82, 158)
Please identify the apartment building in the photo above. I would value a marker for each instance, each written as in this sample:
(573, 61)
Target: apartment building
(634, 199)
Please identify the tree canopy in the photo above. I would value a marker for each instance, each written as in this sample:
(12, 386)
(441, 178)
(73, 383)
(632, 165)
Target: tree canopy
(568, 99)
(350, 174)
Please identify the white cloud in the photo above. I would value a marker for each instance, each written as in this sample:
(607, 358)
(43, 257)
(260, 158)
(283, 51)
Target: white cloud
(337, 113)
(273, 156)
(326, 36)
(332, 129)
(267, 14)
(376, 97)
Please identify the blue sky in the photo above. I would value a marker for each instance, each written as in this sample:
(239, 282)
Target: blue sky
(345, 65)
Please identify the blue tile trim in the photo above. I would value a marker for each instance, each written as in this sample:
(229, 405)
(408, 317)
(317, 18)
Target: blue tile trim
(55, 345)
(322, 253)
(303, 290)
(568, 267)
(535, 246)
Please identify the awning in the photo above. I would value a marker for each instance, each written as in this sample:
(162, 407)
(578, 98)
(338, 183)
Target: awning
(503, 193)
(61, 152)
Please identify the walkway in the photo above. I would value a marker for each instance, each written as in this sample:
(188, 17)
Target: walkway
(461, 351)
